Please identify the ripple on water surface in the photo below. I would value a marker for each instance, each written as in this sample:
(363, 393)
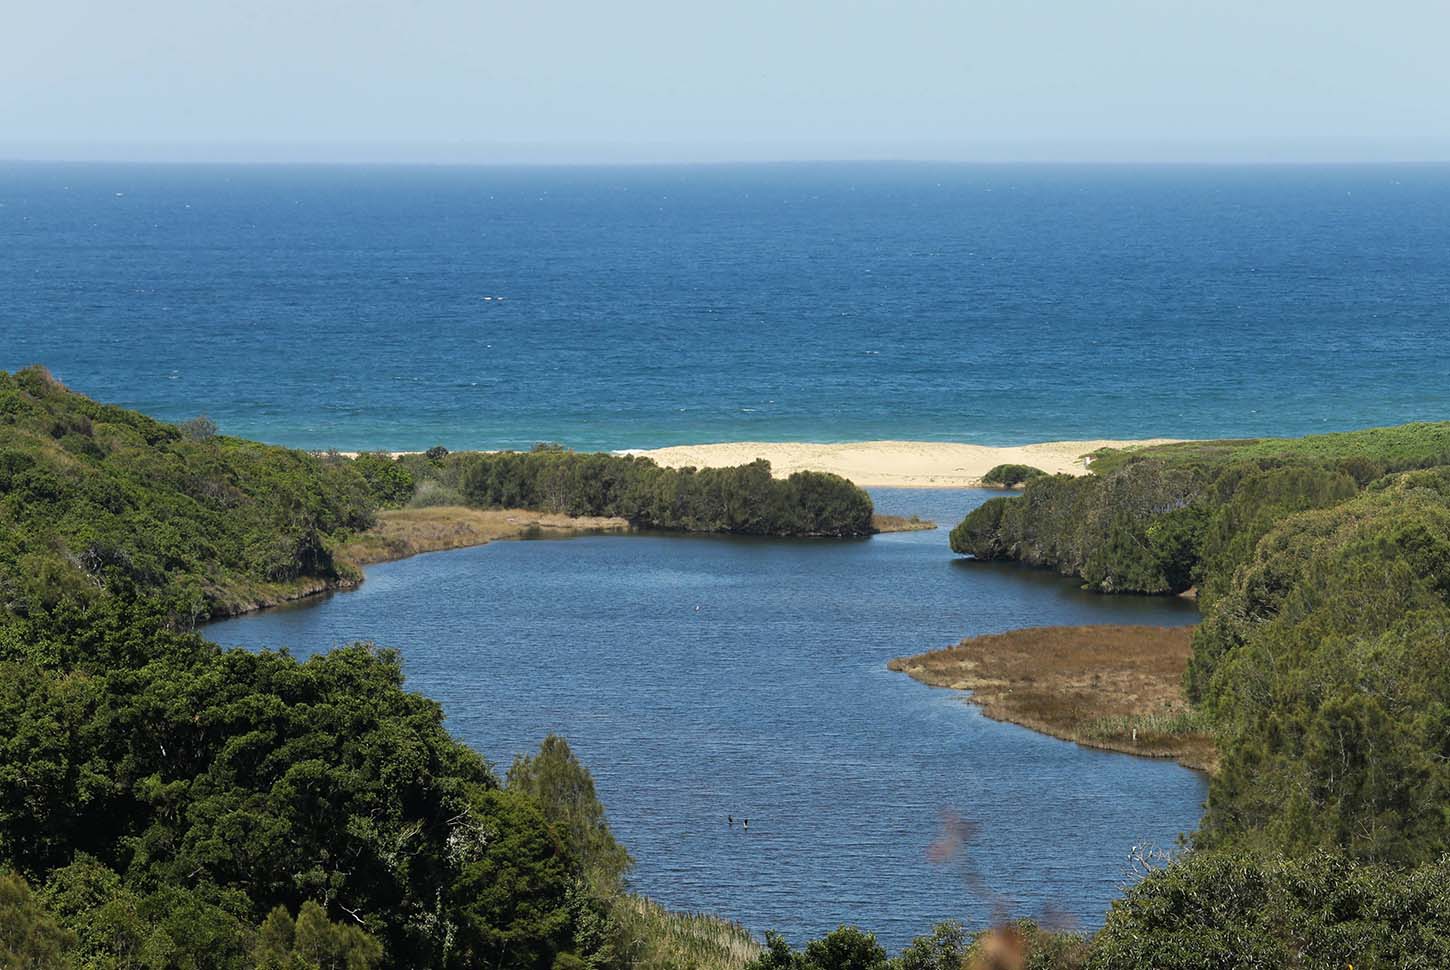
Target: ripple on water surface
(701, 677)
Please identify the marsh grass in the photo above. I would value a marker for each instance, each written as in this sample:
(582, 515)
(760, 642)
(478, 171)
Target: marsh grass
(901, 523)
(400, 533)
(661, 939)
(1114, 687)
(1167, 723)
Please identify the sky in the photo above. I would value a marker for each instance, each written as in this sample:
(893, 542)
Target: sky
(736, 80)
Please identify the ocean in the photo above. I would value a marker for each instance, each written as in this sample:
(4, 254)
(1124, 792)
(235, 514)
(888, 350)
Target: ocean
(380, 307)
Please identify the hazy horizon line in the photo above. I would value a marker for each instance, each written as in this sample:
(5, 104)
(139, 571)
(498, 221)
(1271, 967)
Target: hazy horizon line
(1303, 150)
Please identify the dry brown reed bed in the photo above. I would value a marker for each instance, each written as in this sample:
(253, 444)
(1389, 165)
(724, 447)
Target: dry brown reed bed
(1114, 687)
(407, 532)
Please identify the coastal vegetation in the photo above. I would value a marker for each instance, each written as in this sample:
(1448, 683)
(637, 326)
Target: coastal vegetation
(399, 533)
(1170, 517)
(1010, 475)
(1115, 687)
(1320, 668)
(745, 500)
(1017, 945)
(900, 523)
(165, 803)
(102, 506)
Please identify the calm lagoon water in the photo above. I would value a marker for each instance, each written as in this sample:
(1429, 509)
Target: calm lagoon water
(705, 676)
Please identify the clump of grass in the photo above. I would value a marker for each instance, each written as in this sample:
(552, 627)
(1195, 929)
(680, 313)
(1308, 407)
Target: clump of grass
(1170, 723)
(900, 523)
(657, 938)
(432, 494)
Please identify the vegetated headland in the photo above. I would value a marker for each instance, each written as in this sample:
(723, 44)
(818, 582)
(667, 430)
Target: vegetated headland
(101, 499)
(1113, 687)
(399, 533)
(1321, 669)
(165, 802)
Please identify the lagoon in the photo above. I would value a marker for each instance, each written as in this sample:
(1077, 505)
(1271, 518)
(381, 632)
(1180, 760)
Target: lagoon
(706, 676)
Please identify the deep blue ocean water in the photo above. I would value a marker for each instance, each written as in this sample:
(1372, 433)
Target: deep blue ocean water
(350, 307)
(705, 676)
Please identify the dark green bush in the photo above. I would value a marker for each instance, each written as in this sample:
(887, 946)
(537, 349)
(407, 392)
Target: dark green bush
(389, 481)
(1216, 911)
(1096, 528)
(745, 500)
(1009, 476)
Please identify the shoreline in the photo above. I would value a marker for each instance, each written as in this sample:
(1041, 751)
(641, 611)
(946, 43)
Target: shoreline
(1112, 687)
(404, 533)
(884, 463)
(894, 464)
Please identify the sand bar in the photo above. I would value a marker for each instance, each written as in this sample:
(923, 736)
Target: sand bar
(905, 464)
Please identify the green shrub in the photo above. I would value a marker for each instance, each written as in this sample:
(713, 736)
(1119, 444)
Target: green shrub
(30, 936)
(431, 494)
(120, 506)
(389, 481)
(1216, 911)
(200, 428)
(745, 500)
(1009, 476)
(1131, 531)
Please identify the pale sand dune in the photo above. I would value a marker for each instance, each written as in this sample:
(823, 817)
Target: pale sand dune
(906, 464)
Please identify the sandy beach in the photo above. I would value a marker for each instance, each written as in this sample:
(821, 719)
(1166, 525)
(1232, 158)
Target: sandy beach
(904, 464)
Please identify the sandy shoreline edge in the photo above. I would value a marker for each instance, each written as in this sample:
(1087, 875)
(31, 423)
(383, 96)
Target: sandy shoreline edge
(901, 464)
(885, 464)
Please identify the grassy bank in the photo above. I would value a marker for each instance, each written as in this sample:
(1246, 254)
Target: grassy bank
(900, 523)
(400, 533)
(662, 939)
(1113, 687)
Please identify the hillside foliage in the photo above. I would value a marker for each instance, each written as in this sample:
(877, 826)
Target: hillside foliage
(1322, 663)
(167, 804)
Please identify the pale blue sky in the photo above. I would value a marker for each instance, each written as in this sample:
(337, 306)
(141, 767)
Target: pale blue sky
(661, 80)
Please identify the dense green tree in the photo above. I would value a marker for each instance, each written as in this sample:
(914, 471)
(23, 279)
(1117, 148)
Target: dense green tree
(30, 937)
(1096, 527)
(313, 942)
(512, 886)
(389, 481)
(1220, 911)
(844, 948)
(945, 948)
(746, 500)
(563, 789)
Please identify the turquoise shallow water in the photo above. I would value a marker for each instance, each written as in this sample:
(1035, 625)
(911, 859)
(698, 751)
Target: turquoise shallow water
(700, 677)
(634, 307)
